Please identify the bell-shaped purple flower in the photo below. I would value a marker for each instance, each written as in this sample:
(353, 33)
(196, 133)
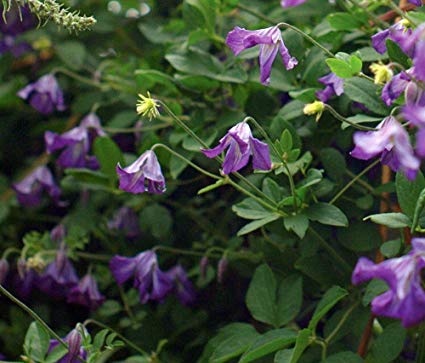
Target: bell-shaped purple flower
(183, 288)
(25, 280)
(241, 146)
(143, 175)
(58, 233)
(419, 59)
(76, 143)
(76, 352)
(398, 33)
(394, 88)
(44, 95)
(86, 293)
(126, 221)
(334, 86)
(152, 283)
(270, 41)
(290, 3)
(4, 270)
(391, 141)
(29, 190)
(405, 298)
(416, 2)
(58, 277)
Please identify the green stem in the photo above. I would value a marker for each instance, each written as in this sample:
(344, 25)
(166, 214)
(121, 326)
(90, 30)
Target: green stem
(276, 151)
(340, 323)
(354, 180)
(326, 246)
(179, 251)
(307, 37)
(343, 119)
(400, 12)
(371, 15)
(9, 251)
(256, 13)
(196, 167)
(124, 339)
(125, 303)
(113, 130)
(93, 256)
(362, 75)
(34, 315)
(80, 78)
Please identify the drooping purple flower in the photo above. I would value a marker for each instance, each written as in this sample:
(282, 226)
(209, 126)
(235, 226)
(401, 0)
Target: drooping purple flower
(76, 352)
(416, 115)
(25, 280)
(29, 190)
(58, 277)
(10, 44)
(17, 23)
(58, 233)
(334, 86)
(76, 143)
(126, 221)
(391, 141)
(44, 95)
(203, 266)
(398, 33)
(222, 266)
(183, 288)
(152, 283)
(416, 2)
(419, 60)
(270, 41)
(144, 175)
(405, 298)
(241, 146)
(394, 88)
(290, 3)
(86, 293)
(4, 270)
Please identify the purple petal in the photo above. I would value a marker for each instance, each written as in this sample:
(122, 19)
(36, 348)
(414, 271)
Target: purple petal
(260, 155)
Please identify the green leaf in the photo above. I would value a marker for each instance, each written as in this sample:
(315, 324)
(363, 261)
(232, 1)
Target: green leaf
(293, 355)
(201, 12)
(56, 354)
(261, 295)
(327, 214)
(388, 345)
(341, 68)
(286, 140)
(72, 53)
(298, 224)
(391, 248)
(408, 192)
(343, 21)
(396, 54)
(374, 288)
(360, 119)
(37, 342)
(343, 357)
(333, 162)
(360, 237)
(89, 177)
(329, 300)
(237, 341)
(392, 220)
(268, 343)
(289, 299)
(108, 154)
(250, 209)
(257, 224)
(363, 91)
(158, 220)
(356, 64)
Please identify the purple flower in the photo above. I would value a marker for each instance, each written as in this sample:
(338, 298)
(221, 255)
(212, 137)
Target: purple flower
(76, 144)
(143, 175)
(183, 288)
(241, 146)
(29, 190)
(203, 266)
(416, 2)
(76, 351)
(394, 88)
(222, 267)
(405, 298)
(86, 293)
(334, 86)
(17, 22)
(25, 280)
(44, 95)
(17, 49)
(270, 41)
(416, 115)
(152, 283)
(398, 33)
(419, 60)
(58, 277)
(58, 233)
(289, 3)
(391, 140)
(126, 221)
(4, 270)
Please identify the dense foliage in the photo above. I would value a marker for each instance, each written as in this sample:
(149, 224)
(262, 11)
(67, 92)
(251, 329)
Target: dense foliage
(212, 181)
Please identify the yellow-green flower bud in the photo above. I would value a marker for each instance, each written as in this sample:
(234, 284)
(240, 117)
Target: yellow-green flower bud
(383, 73)
(315, 108)
(147, 106)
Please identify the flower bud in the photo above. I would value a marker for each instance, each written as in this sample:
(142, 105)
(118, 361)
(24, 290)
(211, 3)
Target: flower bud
(315, 108)
(36, 263)
(58, 233)
(4, 269)
(383, 73)
(74, 340)
(21, 265)
(221, 269)
(203, 266)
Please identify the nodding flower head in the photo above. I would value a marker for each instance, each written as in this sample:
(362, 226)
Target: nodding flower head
(147, 107)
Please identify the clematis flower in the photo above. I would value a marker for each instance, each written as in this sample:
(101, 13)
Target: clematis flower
(270, 41)
(419, 60)
(17, 49)
(290, 3)
(76, 352)
(86, 293)
(25, 280)
(143, 175)
(58, 277)
(405, 298)
(334, 86)
(44, 95)
(29, 190)
(416, 2)
(183, 288)
(152, 283)
(126, 221)
(58, 233)
(391, 141)
(398, 33)
(241, 145)
(394, 88)
(76, 143)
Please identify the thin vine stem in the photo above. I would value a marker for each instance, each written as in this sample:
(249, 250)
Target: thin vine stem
(340, 323)
(343, 119)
